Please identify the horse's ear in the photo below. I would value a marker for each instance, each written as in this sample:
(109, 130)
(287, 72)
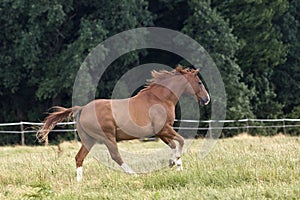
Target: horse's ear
(196, 71)
(179, 68)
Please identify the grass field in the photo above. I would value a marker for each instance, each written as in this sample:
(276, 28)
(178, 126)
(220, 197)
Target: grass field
(243, 167)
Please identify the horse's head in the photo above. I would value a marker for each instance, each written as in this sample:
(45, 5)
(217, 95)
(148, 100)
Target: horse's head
(195, 86)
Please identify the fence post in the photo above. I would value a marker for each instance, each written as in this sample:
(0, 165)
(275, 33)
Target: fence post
(247, 126)
(22, 134)
(209, 128)
(283, 125)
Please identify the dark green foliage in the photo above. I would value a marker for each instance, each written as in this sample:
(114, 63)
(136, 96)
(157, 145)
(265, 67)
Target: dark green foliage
(43, 44)
(211, 31)
(261, 48)
(286, 76)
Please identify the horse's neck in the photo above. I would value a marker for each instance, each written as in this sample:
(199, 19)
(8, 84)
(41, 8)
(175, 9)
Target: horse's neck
(169, 90)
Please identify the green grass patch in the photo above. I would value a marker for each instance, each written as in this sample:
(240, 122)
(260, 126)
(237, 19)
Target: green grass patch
(243, 167)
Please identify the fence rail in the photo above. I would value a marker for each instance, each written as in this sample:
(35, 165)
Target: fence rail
(22, 131)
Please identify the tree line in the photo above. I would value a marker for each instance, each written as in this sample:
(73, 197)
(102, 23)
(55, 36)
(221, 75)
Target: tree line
(255, 45)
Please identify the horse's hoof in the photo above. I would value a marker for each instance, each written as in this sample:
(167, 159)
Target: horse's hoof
(179, 168)
(171, 163)
(135, 175)
(132, 174)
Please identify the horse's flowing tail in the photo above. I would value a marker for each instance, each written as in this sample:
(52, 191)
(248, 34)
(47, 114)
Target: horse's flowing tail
(53, 118)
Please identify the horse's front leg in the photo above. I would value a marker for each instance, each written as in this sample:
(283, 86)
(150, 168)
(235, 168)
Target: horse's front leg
(173, 146)
(177, 151)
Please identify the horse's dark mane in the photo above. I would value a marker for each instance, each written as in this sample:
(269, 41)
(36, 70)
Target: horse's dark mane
(158, 76)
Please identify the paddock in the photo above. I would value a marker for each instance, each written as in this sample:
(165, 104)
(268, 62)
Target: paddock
(242, 167)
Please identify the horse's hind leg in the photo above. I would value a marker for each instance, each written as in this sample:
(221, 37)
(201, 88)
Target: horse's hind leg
(112, 147)
(87, 143)
(82, 153)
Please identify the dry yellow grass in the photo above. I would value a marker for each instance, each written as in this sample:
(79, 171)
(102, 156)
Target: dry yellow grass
(242, 167)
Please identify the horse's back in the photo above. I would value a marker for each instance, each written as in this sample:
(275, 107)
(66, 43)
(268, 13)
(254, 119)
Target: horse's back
(139, 116)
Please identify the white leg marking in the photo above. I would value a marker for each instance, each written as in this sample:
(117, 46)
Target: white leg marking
(176, 159)
(176, 152)
(127, 169)
(179, 164)
(79, 174)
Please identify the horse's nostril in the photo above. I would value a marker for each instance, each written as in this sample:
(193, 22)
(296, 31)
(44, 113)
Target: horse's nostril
(206, 101)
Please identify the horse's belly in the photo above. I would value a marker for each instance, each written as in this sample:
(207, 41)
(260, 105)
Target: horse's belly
(134, 132)
(121, 135)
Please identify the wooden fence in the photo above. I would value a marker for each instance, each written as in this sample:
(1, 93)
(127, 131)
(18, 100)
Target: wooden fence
(244, 124)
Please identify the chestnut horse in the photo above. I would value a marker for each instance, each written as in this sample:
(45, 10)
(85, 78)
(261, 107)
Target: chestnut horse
(150, 112)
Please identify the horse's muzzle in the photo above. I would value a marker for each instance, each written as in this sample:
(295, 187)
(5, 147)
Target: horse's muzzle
(204, 101)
